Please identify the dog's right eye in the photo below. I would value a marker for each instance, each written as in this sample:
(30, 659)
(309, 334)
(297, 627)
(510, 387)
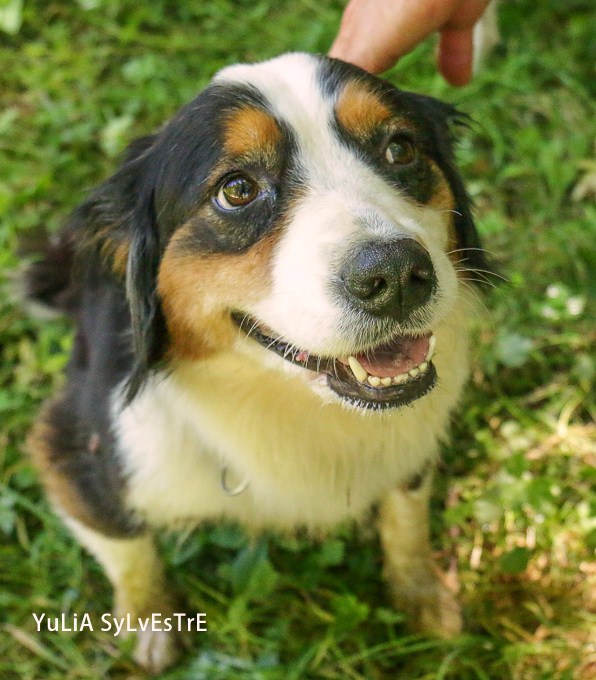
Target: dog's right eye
(400, 151)
(236, 192)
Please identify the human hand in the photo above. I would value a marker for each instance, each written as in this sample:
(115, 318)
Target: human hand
(374, 33)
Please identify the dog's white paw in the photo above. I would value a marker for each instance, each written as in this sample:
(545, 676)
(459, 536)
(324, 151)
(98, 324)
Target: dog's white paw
(156, 650)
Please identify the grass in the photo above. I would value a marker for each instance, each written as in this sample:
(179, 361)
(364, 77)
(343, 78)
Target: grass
(515, 503)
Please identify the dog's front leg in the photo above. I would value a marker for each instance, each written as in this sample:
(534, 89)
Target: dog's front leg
(136, 574)
(415, 583)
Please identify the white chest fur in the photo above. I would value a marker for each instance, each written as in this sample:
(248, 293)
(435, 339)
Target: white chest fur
(307, 463)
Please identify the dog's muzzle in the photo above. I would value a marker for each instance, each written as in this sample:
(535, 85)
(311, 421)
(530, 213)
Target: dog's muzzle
(385, 283)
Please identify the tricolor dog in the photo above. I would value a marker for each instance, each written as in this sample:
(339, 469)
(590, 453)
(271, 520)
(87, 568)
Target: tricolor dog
(271, 307)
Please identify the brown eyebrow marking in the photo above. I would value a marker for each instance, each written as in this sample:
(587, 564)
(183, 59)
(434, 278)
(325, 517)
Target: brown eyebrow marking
(360, 111)
(250, 131)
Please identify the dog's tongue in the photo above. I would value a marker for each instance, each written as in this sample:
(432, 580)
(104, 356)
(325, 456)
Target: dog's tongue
(396, 357)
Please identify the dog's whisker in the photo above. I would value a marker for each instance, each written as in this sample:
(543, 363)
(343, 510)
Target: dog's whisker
(475, 270)
(436, 211)
(479, 279)
(472, 279)
(253, 328)
(455, 251)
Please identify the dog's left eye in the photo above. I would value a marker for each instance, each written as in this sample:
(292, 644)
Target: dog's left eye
(236, 192)
(400, 151)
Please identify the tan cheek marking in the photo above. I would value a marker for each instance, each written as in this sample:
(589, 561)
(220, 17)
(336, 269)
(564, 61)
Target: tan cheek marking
(249, 131)
(198, 292)
(360, 111)
(59, 488)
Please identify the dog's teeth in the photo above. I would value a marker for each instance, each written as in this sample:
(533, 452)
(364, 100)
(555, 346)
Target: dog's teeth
(359, 373)
(432, 342)
(362, 376)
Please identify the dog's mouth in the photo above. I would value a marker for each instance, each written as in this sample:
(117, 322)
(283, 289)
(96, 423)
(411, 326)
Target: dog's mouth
(391, 375)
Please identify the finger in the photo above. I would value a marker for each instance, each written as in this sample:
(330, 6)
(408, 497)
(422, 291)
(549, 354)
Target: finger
(456, 51)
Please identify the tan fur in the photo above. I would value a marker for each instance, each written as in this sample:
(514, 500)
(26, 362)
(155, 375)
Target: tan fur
(198, 291)
(113, 248)
(119, 257)
(251, 131)
(442, 201)
(59, 487)
(136, 574)
(360, 111)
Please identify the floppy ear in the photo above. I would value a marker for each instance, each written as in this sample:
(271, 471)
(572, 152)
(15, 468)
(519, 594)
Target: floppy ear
(118, 225)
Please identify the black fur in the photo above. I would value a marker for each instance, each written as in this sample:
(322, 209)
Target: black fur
(81, 438)
(47, 281)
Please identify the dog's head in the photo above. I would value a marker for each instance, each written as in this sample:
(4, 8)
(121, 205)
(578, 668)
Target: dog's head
(297, 208)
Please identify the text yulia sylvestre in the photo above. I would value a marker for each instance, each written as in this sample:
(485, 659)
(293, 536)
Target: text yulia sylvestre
(69, 623)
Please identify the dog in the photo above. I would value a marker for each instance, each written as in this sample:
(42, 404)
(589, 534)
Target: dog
(271, 306)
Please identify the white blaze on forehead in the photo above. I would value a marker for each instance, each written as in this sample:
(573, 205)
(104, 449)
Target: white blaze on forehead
(290, 85)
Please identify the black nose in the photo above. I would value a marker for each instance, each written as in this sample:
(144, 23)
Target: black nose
(389, 279)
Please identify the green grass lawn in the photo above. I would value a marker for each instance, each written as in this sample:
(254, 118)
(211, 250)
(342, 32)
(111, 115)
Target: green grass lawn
(514, 522)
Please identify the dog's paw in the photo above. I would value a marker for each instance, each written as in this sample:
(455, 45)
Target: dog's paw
(440, 614)
(431, 605)
(156, 650)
